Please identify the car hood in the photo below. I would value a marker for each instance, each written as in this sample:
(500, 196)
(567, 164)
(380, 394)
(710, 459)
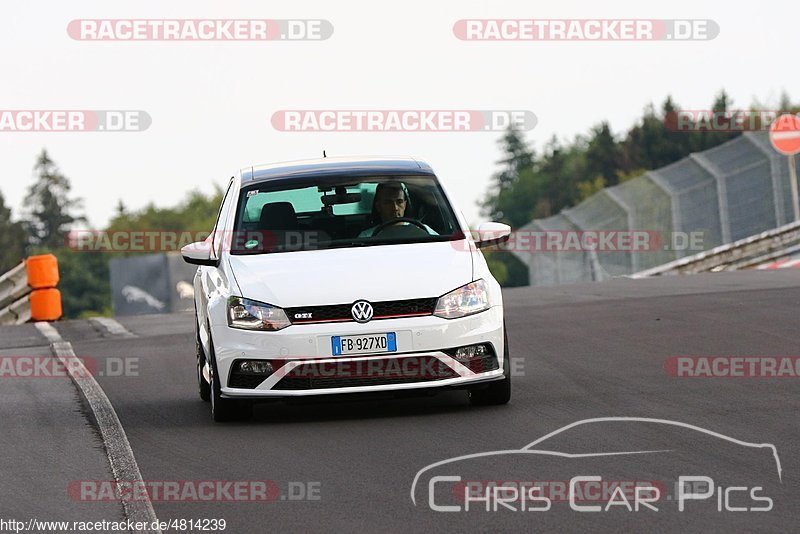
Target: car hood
(344, 275)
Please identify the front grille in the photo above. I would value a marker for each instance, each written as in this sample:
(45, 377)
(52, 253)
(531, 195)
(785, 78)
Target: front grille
(342, 312)
(370, 372)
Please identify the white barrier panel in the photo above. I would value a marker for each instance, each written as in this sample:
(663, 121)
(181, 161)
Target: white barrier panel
(13, 285)
(17, 312)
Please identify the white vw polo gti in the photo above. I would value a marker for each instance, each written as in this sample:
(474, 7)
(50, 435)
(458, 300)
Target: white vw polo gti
(345, 276)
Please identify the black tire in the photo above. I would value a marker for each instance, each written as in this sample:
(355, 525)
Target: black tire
(499, 391)
(203, 386)
(221, 409)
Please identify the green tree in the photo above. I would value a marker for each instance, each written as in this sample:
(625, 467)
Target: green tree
(517, 156)
(505, 204)
(84, 283)
(624, 176)
(12, 239)
(785, 104)
(51, 210)
(563, 167)
(121, 210)
(590, 187)
(603, 155)
(523, 200)
(497, 266)
(196, 213)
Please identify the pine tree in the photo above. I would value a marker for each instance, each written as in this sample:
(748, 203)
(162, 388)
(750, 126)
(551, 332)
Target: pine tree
(785, 105)
(517, 156)
(603, 156)
(12, 239)
(51, 211)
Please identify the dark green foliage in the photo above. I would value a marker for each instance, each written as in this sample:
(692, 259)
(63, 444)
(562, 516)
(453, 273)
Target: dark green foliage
(51, 211)
(84, 284)
(12, 239)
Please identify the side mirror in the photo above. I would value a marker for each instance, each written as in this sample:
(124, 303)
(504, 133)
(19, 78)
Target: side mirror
(492, 233)
(199, 253)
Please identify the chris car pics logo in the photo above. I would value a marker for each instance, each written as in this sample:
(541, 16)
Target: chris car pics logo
(443, 487)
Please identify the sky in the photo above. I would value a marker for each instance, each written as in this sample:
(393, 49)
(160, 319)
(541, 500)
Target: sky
(211, 102)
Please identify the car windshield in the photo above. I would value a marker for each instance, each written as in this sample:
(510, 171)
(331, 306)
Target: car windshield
(300, 214)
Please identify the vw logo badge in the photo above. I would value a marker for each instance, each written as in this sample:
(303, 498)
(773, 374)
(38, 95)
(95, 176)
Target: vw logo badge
(362, 311)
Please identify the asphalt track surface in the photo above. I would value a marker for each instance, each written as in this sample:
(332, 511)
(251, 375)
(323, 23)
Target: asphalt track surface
(580, 352)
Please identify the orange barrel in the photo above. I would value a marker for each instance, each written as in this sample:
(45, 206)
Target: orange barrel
(42, 271)
(45, 304)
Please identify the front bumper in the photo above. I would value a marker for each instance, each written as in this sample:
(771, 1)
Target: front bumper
(302, 346)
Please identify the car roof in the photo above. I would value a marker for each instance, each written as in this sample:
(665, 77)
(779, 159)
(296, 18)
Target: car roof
(336, 166)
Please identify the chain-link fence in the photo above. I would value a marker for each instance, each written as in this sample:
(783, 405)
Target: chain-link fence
(727, 193)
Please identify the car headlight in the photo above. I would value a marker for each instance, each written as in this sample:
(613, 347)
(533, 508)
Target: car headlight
(466, 300)
(251, 315)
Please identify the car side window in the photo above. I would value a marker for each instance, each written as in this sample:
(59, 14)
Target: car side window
(217, 239)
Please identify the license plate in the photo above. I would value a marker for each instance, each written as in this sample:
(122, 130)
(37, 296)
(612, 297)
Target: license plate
(364, 343)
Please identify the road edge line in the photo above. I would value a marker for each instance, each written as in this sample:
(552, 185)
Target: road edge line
(112, 326)
(118, 448)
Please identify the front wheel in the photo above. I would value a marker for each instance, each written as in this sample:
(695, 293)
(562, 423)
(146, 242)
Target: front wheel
(221, 409)
(203, 385)
(499, 391)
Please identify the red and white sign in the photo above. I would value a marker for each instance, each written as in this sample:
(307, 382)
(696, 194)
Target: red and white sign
(785, 134)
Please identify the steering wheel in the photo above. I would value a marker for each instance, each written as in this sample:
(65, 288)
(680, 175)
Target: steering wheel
(381, 227)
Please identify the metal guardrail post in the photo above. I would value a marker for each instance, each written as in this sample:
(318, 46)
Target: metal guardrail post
(722, 193)
(16, 313)
(13, 285)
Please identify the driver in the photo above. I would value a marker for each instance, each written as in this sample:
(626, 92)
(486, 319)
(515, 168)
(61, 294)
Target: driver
(389, 203)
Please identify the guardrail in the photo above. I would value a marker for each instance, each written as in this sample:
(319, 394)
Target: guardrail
(28, 291)
(748, 252)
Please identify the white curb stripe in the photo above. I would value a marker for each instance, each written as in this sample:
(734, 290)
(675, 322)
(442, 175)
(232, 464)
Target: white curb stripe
(112, 326)
(120, 455)
(47, 330)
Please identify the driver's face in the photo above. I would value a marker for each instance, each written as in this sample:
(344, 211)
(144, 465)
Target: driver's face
(391, 204)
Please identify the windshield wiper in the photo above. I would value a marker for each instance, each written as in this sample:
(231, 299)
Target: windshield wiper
(340, 244)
